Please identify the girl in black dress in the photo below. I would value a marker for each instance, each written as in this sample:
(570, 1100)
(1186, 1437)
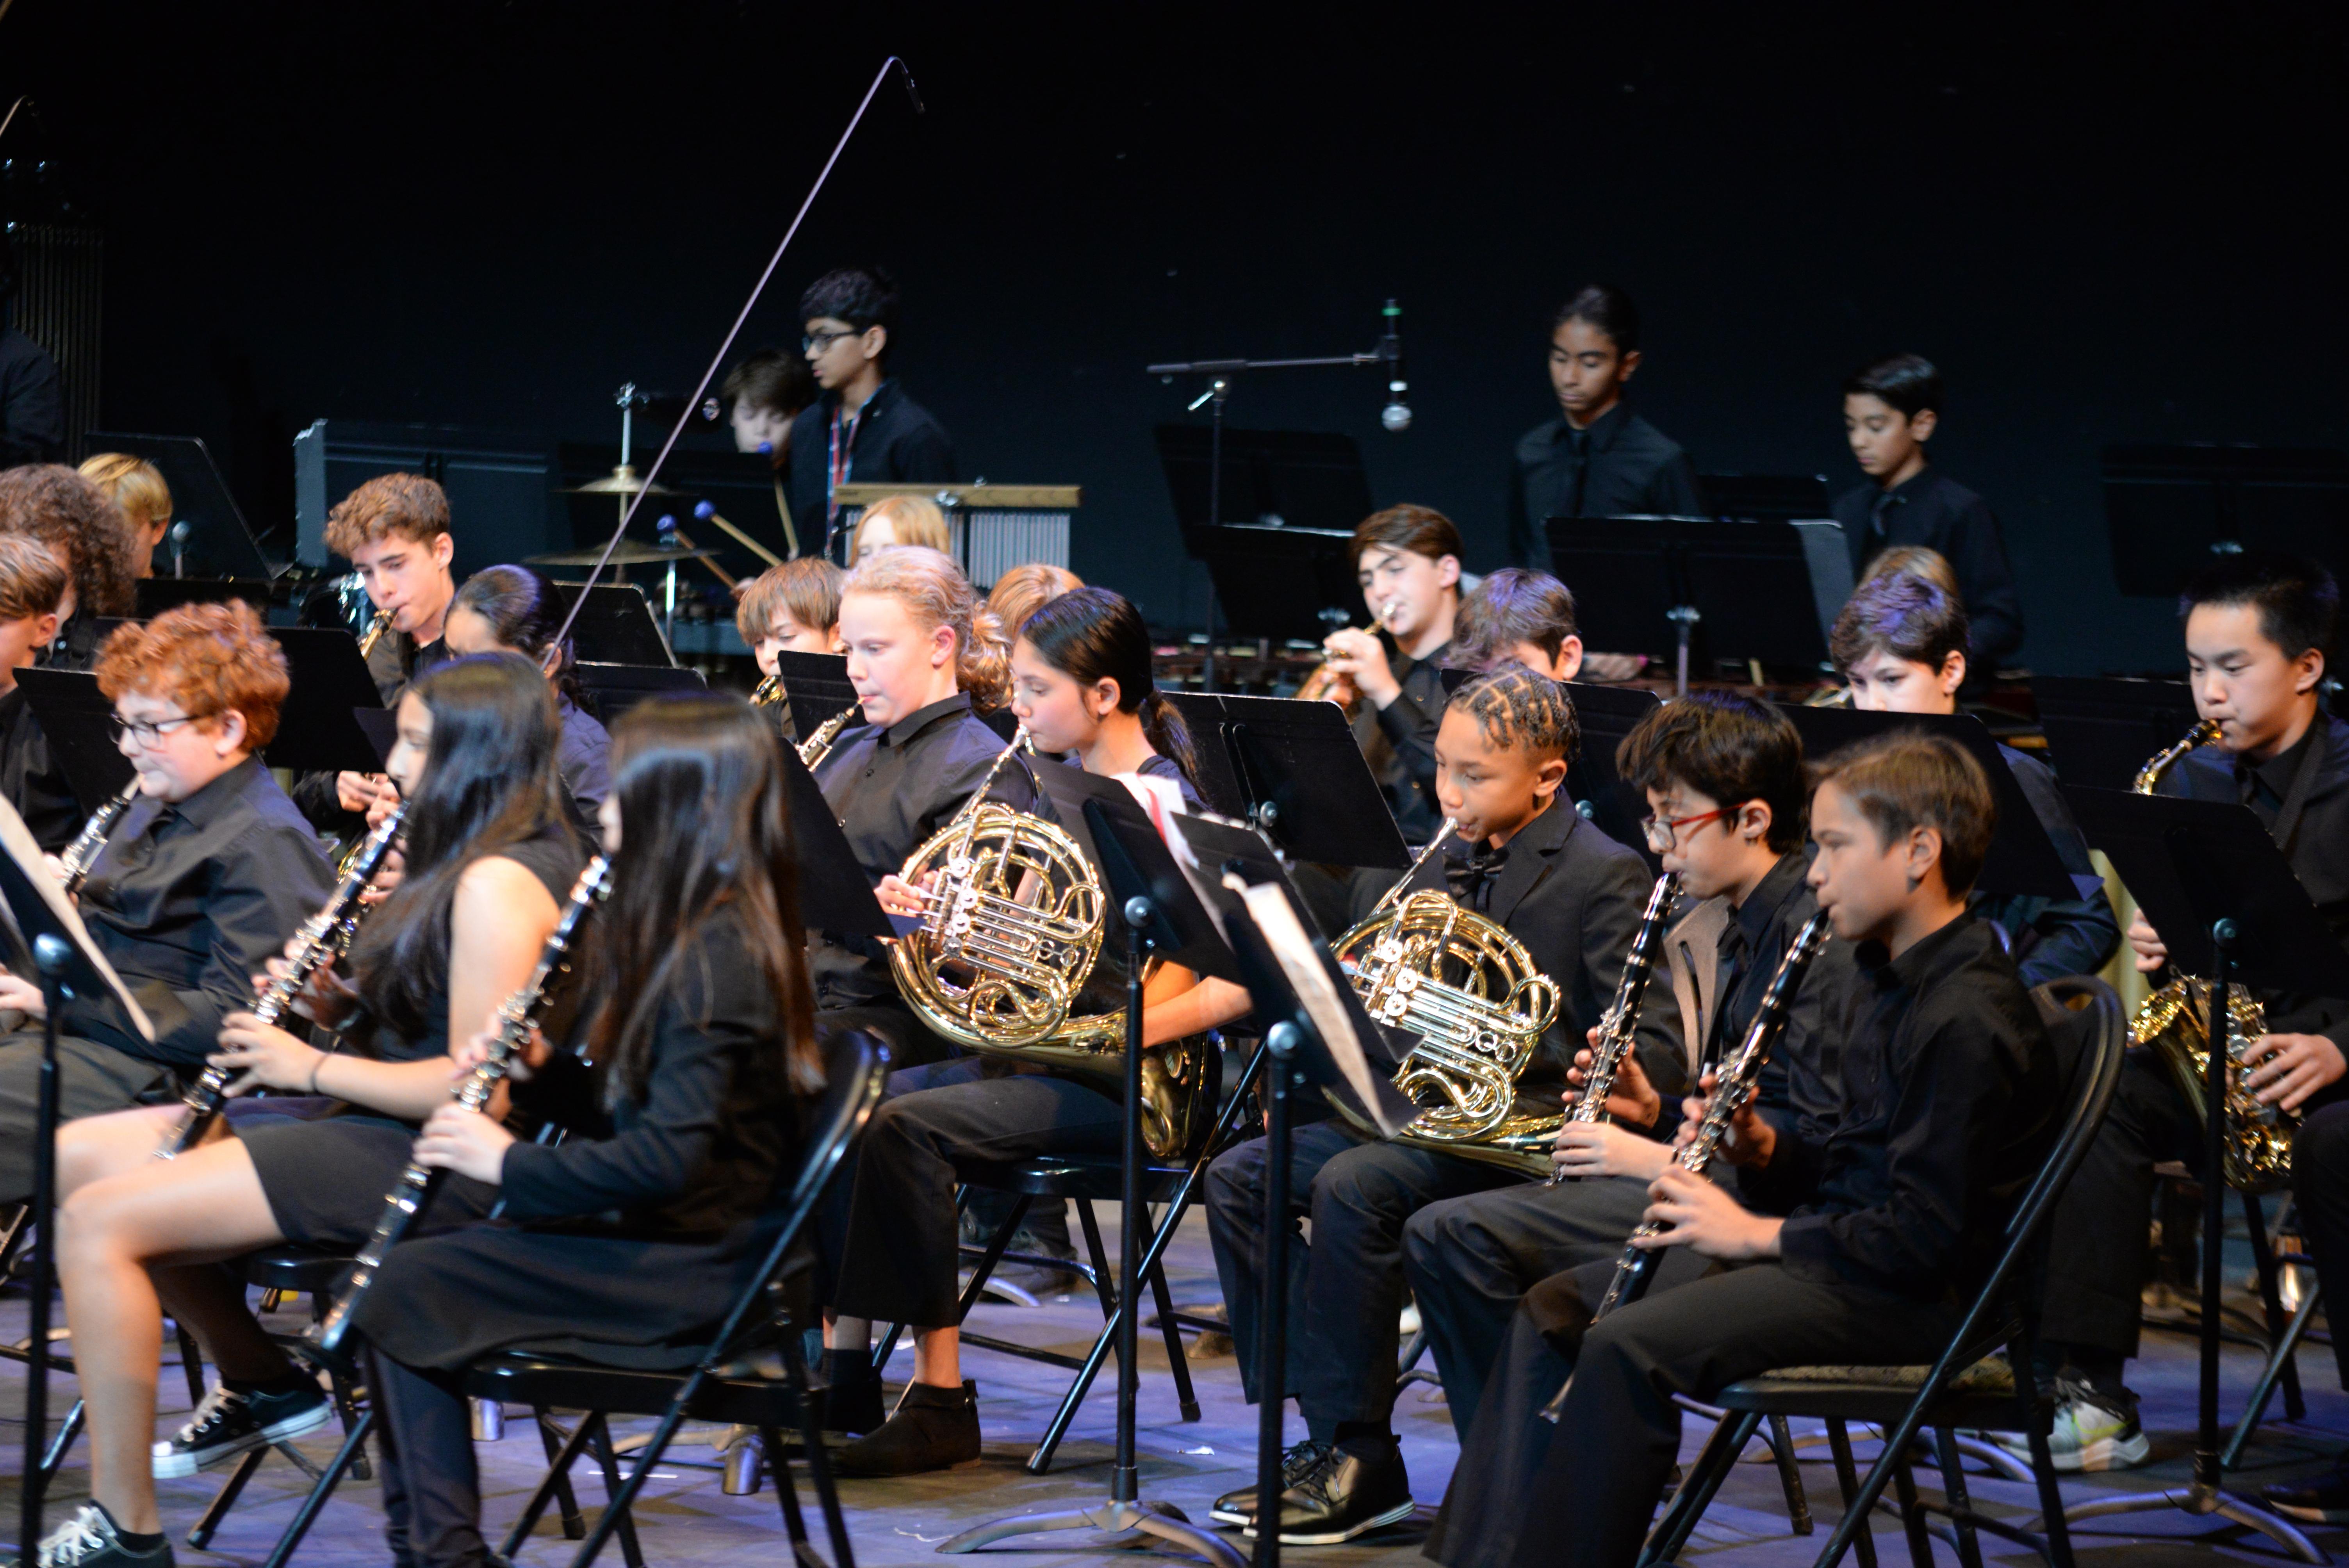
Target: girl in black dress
(629, 1247)
(489, 854)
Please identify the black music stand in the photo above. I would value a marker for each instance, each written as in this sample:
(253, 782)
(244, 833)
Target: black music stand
(1159, 913)
(2099, 732)
(1291, 584)
(1606, 715)
(1762, 591)
(217, 541)
(316, 731)
(1764, 498)
(76, 717)
(1293, 770)
(2171, 509)
(612, 689)
(2209, 867)
(44, 926)
(836, 892)
(816, 686)
(2022, 859)
(615, 627)
(381, 727)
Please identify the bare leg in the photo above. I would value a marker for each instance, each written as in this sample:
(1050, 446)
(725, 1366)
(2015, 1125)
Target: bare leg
(204, 1206)
(94, 1147)
(937, 1358)
(848, 1333)
(209, 1301)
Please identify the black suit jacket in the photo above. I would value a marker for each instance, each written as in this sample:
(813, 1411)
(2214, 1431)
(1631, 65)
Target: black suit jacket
(895, 440)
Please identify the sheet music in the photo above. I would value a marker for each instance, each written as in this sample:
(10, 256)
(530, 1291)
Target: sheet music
(1299, 958)
(17, 841)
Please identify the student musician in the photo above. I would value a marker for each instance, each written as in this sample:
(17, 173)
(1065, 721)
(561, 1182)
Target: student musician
(862, 429)
(489, 859)
(791, 608)
(1573, 897)
(1597, 458)
(1024, 590)
(1726, 799)
(923, 655)
(1518, 615)
(899, 520)
(514, 610)
(630, 1240)
(764, 393)
(1081, 683)
(1866, 1234)
(1891, 407)
(31, 585)
(203, 878)
(135, 486)
(1901, 644)
(88, 533)
(2259, 628)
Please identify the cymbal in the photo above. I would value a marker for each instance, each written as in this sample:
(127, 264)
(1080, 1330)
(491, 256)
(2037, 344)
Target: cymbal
(628, 553)
(622, 480)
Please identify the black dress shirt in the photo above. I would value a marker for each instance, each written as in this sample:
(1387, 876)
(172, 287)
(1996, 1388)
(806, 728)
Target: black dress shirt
(1573, 896)
(187, 900)
(585, 759)
(1399, 739)
(1941, 514)
(1620, 466)
(2051, 937)
(1948, 1106)
(892, 789)
(32, 404)
(31, 779)
(891, 439)
(2316, 841)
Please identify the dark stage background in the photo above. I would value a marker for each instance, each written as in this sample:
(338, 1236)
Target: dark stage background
(2105, 224)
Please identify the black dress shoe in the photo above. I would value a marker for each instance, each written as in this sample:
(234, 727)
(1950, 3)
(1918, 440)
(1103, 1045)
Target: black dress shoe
(934, 1429)
(1350, 1494)
(2319, 1500)
(1301, 1461)
(852, 1395)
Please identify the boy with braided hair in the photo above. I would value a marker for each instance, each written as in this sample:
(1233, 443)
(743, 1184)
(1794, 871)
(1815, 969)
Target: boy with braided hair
(1523, 857)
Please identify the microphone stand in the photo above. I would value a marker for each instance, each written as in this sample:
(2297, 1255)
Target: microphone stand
(1389, 353)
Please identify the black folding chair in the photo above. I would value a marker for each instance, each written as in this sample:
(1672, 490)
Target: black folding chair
(1963, 1388)
(752, 1374)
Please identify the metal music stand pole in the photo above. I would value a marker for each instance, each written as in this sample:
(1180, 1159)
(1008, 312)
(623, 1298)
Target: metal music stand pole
(50, 955)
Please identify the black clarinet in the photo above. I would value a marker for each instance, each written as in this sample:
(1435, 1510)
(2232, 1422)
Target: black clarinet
(324, 937)
(418, 1184)
(1734, 1084)
(74, 865)
(1618, 1029)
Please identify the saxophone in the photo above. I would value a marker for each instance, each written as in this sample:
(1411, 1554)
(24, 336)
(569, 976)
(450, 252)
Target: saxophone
(2175, 1021)
(73, 866)
(1618, 1029)
(1015, 925)
(324, 937)
(768, 692)
(517, 1017)
(1479, 1005)
(1734, 1084)
(817, 746)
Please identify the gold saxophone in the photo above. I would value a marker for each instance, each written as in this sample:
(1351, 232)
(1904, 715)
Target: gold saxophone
(817, 746)
(1015, 923)
(2175, 1021)
(1479, 1005)
(374, 634)
(768, 692)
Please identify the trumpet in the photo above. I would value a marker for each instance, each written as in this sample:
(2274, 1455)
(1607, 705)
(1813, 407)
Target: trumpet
(1620, 1027)
(420, 1183)
(324, 937)
(817, 746)
(1324, 684)
(74, 865)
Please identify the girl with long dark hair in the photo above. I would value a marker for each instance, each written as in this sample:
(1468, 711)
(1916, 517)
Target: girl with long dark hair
(514, 610)
(489, 855)
(629, 1246)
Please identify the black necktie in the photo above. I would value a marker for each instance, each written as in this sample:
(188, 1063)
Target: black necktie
(1578, 443)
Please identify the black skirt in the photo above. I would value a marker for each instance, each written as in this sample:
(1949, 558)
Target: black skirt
(326, 1175)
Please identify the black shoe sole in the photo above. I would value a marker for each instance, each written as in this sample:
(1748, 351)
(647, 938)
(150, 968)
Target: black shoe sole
(1395, 1515)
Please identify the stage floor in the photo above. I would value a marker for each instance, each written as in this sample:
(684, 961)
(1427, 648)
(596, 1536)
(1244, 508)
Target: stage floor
(686, 1519)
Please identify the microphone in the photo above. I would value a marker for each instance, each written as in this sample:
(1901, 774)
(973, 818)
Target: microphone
(180, 536)
(1396, 415)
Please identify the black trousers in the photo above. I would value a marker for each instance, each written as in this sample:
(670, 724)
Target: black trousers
(431, 1486)
(2320, 1183)
(1470, 1260)
(1345, 1292)
(1530, 1495)
(92, 1080)
(898, 1259)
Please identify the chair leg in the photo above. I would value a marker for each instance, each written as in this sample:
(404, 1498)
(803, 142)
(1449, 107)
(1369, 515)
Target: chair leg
(1104, 1282)
(345, 1393)
(346, 1461)
(2051, 1498)
(1184, 1395)
(1730, 1435)
(819, 1461)
(225, 1499)
(1912, 1518)
(560, 1457)
(2271, 1299)
(2287, 1348)
(1863, 1539)
(1790, 1476)
(66, 1432)
(1953, 1488)
(787, 1497)
(192, 1366)
(620, 1507)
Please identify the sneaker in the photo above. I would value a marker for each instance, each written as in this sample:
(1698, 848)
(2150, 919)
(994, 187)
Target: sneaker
(1350, 1494)
(89, 1539)
(228, 1423)
(1301, 1461)
(934, 1429)
(2092, 1431)
(2319, 1500)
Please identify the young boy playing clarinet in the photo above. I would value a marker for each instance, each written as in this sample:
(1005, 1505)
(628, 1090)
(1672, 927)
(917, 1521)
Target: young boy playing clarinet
(1573, 897)
(201, 881)
(1866, 1232)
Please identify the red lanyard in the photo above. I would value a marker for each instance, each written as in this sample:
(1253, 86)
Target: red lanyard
(844, 453)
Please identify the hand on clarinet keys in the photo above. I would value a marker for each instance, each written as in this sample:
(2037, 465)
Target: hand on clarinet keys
(466, 1142)
(1631, 1102)
(1587, 1149)
(1751, 1138)
(471, 1052)
(1703, 1217)
(266, 1055)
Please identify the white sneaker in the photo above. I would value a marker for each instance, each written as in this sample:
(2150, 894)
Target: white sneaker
(2092, 1431)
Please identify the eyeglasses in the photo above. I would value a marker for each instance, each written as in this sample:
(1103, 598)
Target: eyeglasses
(817, 341)
(1664, 835)
(146, 732)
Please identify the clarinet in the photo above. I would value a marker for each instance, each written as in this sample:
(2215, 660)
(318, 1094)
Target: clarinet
(517, 1017)
(74, 865)
(1734, 1084)
(1617, 1029)
(324, 937)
